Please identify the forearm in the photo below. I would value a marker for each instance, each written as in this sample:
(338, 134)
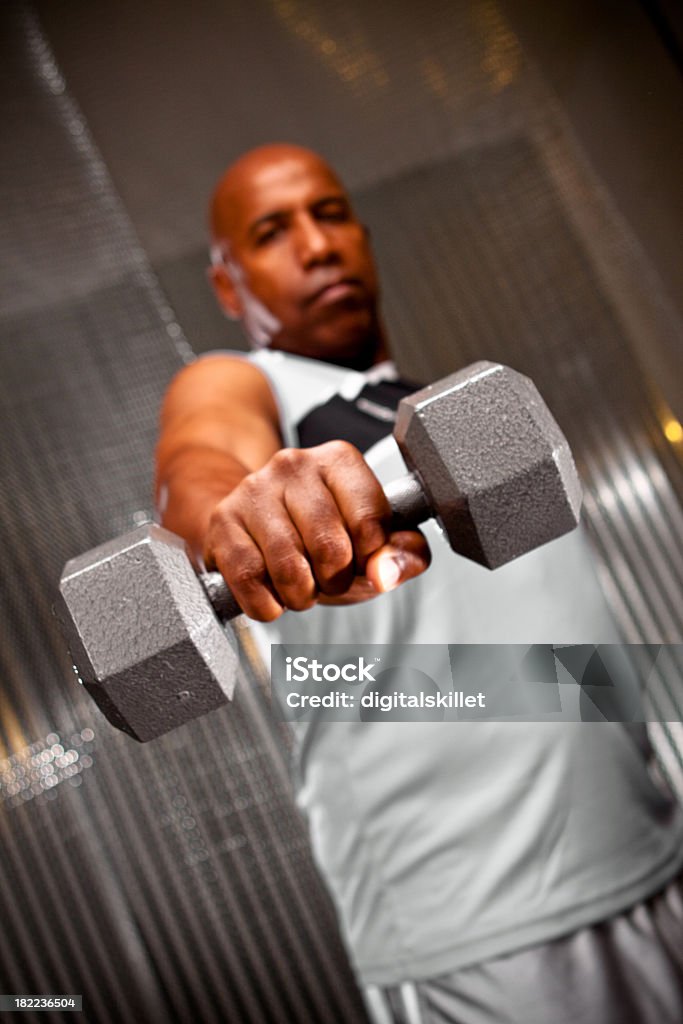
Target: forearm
(189, 486)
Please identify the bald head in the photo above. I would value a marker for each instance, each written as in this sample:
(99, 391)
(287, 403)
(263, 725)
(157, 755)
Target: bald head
(291, 260)
(250, 173)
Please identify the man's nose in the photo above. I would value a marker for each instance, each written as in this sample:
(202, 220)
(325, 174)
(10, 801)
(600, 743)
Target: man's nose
(315, 244)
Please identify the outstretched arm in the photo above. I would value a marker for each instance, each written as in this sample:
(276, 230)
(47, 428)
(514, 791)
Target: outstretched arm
(218, 423)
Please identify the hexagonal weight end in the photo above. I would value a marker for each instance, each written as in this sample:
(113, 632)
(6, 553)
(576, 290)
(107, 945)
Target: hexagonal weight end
(493, 462)
(143, 635)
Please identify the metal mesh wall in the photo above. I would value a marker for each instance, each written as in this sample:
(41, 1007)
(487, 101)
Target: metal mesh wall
(522, 286)
(174, 882)
(171, 882)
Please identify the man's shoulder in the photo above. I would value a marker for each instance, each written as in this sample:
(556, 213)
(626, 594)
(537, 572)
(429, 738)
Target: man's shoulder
(223, 368)
(219, 380)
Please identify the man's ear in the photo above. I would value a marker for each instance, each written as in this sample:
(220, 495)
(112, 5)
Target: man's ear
(225, 291)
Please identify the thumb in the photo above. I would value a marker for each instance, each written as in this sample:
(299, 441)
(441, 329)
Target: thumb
(405, 555)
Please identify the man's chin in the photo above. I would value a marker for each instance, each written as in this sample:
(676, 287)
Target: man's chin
(357, 348)
(358, 354)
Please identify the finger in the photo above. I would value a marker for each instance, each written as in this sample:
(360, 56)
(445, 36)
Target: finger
(361, 589)
(359, 497)
(317, 518)
(242, 565)
(404, 556)
(284, 554)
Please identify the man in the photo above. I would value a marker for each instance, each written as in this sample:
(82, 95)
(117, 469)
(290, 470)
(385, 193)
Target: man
(482, 871)
(320, 304)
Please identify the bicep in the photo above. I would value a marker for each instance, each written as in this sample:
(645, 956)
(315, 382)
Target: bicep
(222, 404)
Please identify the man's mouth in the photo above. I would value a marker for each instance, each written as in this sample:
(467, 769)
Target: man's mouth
(335, 291)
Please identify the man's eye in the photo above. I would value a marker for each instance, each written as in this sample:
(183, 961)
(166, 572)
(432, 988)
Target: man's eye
(268, 235)
(333, 213)
(338, 215)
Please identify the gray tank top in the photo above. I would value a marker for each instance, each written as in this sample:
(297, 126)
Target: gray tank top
(446, 843)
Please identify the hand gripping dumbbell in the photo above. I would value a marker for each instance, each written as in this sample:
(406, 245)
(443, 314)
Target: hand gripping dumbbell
(485, 458)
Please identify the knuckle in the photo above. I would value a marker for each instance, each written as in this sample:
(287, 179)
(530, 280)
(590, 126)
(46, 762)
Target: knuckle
(340, 451)
(269, 614)
(221, 536)
(289, 570)
(220, 515)
(301, 602)
(289, 460)
(331, 551)
(227, 512)
(261, 606)
(368, 531)
(244, 572)
(249, 488)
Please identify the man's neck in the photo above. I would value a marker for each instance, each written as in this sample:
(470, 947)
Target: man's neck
(375, 351)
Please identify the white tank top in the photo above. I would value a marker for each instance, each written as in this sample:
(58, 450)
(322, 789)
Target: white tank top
(447, 843)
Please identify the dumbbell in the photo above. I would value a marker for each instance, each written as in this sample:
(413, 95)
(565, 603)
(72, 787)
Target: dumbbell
(485, 458)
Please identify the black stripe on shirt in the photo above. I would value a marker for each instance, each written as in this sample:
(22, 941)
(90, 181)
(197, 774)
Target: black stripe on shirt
(363, 420)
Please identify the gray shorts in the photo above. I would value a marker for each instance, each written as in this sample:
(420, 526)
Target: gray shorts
(626, 970)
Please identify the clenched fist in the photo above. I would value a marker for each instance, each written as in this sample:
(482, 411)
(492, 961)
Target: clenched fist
(312, 525)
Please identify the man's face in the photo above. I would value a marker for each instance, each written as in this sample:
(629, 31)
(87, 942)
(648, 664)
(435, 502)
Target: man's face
(301, 253)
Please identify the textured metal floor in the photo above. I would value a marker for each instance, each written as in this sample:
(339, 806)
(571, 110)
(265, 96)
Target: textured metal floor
(174, 882)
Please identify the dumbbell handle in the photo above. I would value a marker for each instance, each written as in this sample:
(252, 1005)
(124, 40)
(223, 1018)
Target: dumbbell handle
(409, 507)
